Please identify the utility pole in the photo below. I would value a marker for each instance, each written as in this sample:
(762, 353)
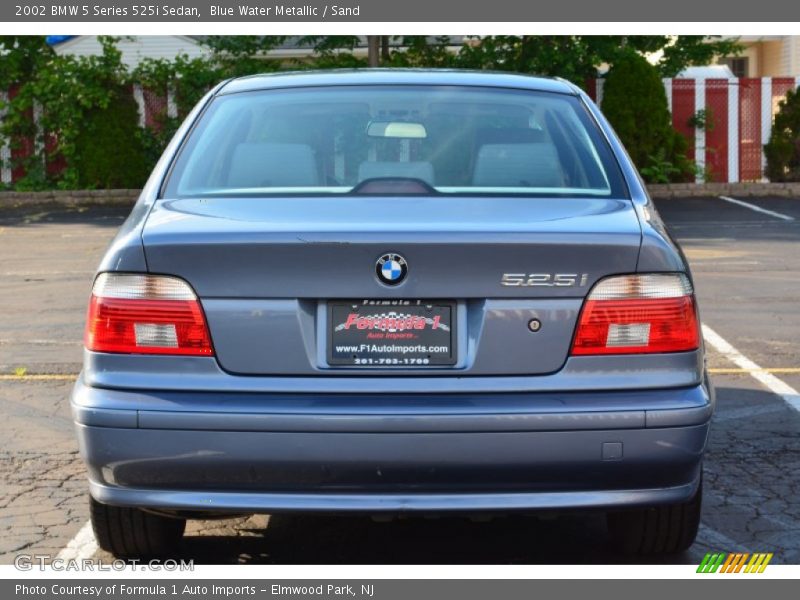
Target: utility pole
(373, 50)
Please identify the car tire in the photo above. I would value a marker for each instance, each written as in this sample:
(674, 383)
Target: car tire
(665, 529)
(133, 533)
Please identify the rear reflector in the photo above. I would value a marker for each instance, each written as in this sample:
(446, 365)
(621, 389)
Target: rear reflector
(638, 314)
(145, 314)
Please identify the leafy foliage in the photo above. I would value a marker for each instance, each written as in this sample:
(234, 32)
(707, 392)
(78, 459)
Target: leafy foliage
(332, 52)
(783, 149)
(659, 170)
(635, 103)
(86, 106)
(21, 56)
(421, 51)
(69, 91)
(577, 57)
(239, 55)
(109, 152)
(188, 80)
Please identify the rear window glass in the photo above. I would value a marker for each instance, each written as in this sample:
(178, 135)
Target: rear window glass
(445, 139)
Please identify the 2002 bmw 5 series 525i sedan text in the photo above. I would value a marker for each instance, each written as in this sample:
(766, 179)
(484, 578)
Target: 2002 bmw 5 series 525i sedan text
(393, 292)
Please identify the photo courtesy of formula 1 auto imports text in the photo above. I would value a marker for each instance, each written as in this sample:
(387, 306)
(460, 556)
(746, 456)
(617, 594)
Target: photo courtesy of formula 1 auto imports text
(377, 300)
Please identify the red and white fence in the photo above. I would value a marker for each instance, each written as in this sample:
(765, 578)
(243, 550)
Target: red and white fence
(729, 148)
(5, 148)
(738, 121)
(152, 105)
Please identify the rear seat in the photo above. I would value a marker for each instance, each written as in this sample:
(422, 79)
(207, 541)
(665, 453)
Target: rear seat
(518, 165)
(269, 164)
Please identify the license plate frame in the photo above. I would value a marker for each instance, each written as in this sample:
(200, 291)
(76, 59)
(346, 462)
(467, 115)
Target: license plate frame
(391, 334)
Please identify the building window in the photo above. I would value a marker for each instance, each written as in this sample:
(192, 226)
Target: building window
(739, 65)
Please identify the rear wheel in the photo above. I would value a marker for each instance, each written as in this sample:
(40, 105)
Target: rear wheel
(658, 530)
(133, 533)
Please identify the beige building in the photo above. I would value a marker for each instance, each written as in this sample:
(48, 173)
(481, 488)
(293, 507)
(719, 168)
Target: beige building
(766, 56)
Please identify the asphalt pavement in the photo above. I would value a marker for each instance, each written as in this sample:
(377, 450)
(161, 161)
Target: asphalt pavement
(746, 265)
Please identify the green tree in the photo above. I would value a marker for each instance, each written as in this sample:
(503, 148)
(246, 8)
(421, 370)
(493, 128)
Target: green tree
(331, 52)
(577, 57)
(573, 57)
(783, 149)
(20, 57)
(423, 52)
(635, 103)
(77, 95)
(109, 151)
(240, 55)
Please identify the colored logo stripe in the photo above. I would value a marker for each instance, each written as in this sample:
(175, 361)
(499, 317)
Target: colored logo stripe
(758, 563)
(711, 562)
(725, 562)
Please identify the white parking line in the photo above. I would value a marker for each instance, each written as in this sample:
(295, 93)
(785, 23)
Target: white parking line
(41, 342)
(771, 213)
(83, 545)
(768, 380)
(85, 272)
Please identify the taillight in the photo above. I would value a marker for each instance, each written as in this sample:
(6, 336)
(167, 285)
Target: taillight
(635, 314)
(145, 314)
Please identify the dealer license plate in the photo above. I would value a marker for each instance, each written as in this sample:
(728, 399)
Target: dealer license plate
(391, 333)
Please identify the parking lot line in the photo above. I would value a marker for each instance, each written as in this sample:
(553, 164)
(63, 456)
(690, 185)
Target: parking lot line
(777, 370)
(771, 213)
(83, 545)
(768, 380)
(40, 342)
(39, 377)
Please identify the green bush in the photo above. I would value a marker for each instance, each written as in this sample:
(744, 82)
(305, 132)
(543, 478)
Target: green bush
(783, 149)
(109, 152)
(635, 103)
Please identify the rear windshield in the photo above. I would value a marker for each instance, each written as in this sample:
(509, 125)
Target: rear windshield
(432, 139)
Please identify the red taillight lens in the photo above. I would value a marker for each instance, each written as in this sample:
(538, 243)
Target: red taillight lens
(636, 314)
(145, 314)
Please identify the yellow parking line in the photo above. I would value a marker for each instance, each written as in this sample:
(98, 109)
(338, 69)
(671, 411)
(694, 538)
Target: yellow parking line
(39, 377)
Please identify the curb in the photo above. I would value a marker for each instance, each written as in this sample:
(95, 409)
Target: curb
(713, 190)
(71, 198)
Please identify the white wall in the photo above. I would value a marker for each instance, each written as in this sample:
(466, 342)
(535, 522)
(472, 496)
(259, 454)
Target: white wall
(135, 48)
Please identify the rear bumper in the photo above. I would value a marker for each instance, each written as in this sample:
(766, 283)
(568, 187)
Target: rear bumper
(373, 503)
(283, 453)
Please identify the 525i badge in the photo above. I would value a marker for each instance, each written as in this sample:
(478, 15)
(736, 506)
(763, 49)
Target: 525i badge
(544, 279)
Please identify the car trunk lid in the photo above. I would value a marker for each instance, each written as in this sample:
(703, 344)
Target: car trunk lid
(267, 268)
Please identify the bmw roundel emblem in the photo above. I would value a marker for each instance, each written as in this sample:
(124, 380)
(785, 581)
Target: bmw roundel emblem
(391, 268)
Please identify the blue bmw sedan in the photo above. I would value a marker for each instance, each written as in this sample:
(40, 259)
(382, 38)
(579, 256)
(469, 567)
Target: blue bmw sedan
(387, 292)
